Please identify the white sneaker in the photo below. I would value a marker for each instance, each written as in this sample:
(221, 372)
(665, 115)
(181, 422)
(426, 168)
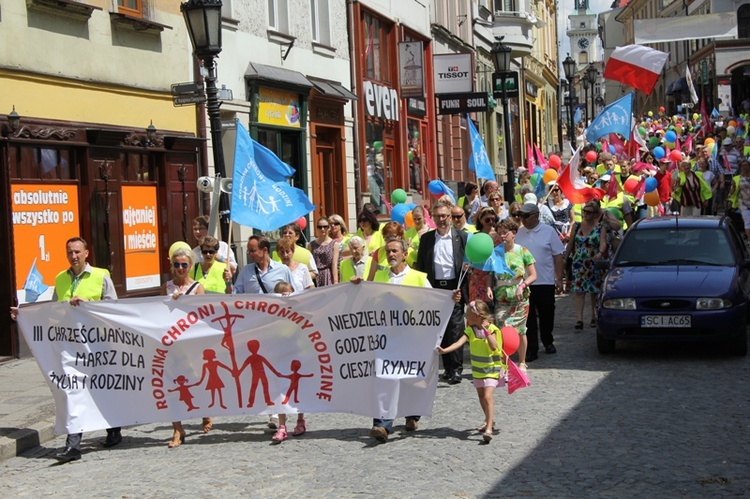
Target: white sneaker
(273, 421)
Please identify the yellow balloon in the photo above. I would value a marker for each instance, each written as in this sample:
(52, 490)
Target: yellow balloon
(650, 114)
(708, 141)
(179, 245)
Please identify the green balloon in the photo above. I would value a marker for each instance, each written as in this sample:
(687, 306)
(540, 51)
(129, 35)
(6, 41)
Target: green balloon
(671, 127)
(479, 247)
(598, 146)
(535, 178)
(642, 130)
(411, 156)
(377, 145)
(653, 141)
(398, 196)
(617, 212)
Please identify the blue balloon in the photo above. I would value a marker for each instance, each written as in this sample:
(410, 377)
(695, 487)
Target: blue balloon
(670, 136)
(412, 206)
(651, 184)
(611, 148)
(659, 152)
(539, 170)
(399, 212)
(435, 187)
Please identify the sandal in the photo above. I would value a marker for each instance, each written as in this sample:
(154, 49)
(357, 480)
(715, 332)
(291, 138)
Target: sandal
(207, 425)
(579, 325)
(487, 436)
(177, 440)
(280, 434)
(300, 428)
(483, 428)
(522, 366)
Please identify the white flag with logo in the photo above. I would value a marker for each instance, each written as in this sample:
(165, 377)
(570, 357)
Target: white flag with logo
(691, 87)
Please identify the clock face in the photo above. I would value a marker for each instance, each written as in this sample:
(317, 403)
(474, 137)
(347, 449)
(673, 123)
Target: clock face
(583, 43)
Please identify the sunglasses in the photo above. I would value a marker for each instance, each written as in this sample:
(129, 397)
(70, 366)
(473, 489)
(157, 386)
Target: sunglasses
(457, 217)
(517, 214)
(208, 252)
(489, 220)
(180, 265)
(322, 226)
(335, 223)
(494, 199)
(588, 212)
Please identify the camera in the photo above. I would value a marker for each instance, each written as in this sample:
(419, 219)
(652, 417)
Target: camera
(205, 184)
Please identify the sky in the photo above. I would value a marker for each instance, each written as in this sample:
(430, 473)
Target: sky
(566, 8)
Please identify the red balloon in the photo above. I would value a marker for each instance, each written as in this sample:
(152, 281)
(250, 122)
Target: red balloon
(301, 223)
(661, 109)
(555, 161)
(675, 155)
(591, 156)
(630, 185)
(511, 340)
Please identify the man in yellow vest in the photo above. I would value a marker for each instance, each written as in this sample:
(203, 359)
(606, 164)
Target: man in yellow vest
(80, 283)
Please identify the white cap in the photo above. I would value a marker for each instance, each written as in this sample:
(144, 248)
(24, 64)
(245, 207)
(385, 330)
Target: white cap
(530, 198)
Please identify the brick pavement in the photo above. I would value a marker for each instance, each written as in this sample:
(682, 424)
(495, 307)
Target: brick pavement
(652, 420)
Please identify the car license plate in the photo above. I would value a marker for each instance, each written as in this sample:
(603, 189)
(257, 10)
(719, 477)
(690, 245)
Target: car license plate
(665, 321)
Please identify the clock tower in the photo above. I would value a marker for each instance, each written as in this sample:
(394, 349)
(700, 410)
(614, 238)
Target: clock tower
(583, 34)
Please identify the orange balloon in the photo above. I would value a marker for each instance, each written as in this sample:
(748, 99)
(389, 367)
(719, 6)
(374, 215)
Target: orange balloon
(409, 220)
(549, 175)
(651, 198)
(708, 141)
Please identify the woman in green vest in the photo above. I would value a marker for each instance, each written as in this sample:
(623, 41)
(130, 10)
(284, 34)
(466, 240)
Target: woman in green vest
(690, 190)
(214, 276)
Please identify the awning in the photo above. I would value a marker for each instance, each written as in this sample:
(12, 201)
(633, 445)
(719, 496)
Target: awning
(680, 85)
(277, 76)
(670, 88)
(331, 88)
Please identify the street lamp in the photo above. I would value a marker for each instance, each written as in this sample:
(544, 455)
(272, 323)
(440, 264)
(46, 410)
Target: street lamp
(203, 19)
(585, 82)
(14, 120)
(501, 55)
(591, 75)
(569, 68)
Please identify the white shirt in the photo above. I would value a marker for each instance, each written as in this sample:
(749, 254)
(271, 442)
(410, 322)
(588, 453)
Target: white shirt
(444, 257)
(399, 278)
(544, 244)
(224, 254)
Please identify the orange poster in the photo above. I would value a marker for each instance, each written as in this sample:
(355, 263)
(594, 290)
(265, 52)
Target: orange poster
(44, 217)
(140, 226)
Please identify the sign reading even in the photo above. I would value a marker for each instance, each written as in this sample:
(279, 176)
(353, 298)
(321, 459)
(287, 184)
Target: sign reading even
(365, 349)
(412, 69)
(453, 73)
(381, 101)
(44, 218)
(279, 107)
(140, 226)
(476, 102)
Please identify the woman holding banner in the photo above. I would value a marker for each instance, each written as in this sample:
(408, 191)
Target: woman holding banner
(182, 284)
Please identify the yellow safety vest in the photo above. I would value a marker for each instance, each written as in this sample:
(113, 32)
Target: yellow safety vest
(413, 277)
(301, 255)
(485, 363)
(214, 280)
(705, 189)
(89, 286)
(375, 242)
(734, 199)
(347, 269)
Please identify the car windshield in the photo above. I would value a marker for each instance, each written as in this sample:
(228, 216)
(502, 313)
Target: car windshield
(677, 246)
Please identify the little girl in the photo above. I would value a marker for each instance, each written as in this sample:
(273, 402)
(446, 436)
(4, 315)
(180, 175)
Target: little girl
(485, 346)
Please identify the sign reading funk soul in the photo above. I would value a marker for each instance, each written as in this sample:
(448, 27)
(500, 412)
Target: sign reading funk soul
(453, 73)
(365, 349)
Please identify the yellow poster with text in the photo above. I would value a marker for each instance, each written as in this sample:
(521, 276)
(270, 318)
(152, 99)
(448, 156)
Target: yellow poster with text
(44, 218)
(140, 227)
(278, 107)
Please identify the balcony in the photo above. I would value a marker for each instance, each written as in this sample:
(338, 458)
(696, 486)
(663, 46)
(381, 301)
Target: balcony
(516, 27)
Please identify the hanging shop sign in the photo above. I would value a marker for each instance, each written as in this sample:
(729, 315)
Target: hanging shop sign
(473, 102)
(278, 107)
(381, 101)
(453, 73)
(411, 67)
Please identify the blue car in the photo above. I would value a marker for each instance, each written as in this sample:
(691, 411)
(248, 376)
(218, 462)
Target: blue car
(677, 279)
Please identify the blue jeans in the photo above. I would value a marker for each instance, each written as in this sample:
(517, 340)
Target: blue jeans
(388, 423)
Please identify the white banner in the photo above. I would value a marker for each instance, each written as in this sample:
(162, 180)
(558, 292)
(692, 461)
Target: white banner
(672, 29)
(365, 349)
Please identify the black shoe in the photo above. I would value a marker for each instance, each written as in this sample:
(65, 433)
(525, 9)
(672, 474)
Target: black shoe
(454, 379)
(113, 438)
(69, 454)
(550, 348)
(445, 376)
(531, 357)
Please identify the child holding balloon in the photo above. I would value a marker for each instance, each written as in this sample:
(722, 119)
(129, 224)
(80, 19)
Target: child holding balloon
(487, 366)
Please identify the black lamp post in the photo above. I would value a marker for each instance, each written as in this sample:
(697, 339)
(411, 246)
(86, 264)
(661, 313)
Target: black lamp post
(203, 19)
(569, 68)
(591, 74)
(585, 82)
(501, 55)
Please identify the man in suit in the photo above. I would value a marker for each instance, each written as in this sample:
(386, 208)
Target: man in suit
(441, 256)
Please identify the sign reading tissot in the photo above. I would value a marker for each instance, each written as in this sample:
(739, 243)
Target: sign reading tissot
(474, 102)
(453, 73)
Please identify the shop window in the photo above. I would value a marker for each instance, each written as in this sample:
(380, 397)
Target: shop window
(743, 21)
(321, 29)
(130, 7)
(376, 49)
(43, 163)
(278, 15)
(375, 161)
(137, 168)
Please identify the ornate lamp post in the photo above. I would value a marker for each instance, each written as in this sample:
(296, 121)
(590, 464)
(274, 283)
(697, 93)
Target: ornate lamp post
(501, 55)
(585, 83)
(203, 19)
(591, 75)
(569, 68)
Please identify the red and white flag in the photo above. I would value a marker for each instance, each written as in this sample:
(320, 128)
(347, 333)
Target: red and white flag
(637, 66)
(571, 184)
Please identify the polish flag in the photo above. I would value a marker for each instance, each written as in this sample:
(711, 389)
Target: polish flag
(572, 185)
(637, 66)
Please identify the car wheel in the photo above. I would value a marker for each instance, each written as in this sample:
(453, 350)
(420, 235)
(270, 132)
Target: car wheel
(738, 346)
(604, 345)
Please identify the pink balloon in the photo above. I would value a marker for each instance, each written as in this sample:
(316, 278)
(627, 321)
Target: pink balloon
(511, 340)
(301, 223)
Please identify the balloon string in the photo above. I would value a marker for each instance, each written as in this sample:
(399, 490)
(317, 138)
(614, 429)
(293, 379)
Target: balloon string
(461, 275)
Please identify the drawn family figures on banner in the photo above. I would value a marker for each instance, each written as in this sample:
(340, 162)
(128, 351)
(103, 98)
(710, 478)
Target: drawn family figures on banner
(262, 205)
(183, 388)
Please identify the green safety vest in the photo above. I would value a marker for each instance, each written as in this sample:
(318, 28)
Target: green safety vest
(485, 363)
(214, 280)
(413, 277)
(734, 198)
(347, 269)
(89, 286)
(705, 189)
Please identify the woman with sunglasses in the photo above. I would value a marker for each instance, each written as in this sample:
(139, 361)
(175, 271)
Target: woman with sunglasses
(182, 284)
(495, 201)
(212, 274)
(340, 235)
(326, 254)
(369, 230)
(479, 280)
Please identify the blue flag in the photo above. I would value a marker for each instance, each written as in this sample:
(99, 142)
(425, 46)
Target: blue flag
(479, 162)
(577, 116)
(615, 118)
(34, 286)
(261, 196)
(715, 113)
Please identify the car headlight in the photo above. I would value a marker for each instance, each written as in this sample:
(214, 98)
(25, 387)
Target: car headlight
(619, 303)
(712, 303)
